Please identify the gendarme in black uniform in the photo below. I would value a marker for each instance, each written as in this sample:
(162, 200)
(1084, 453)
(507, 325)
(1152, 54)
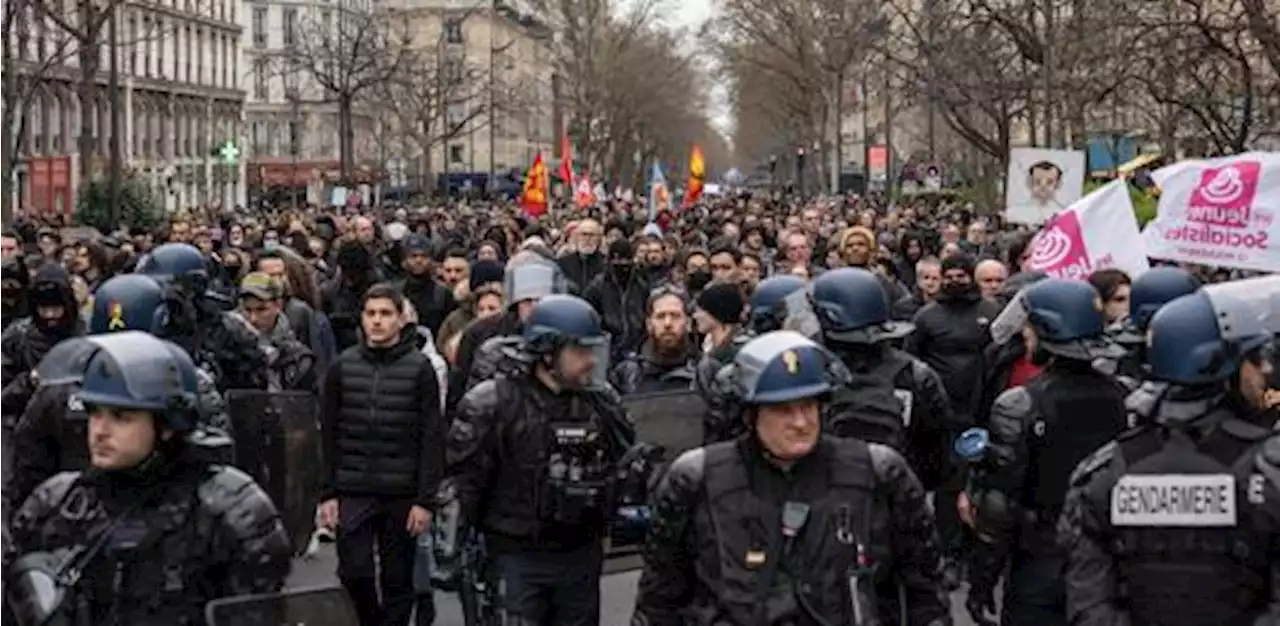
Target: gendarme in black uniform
(1176, 523)
(1039, 432)
(533, 457)
(794, 528)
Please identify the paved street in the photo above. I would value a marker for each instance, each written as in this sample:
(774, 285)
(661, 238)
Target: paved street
(617, 592)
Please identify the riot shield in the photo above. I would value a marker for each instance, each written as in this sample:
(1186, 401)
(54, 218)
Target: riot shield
(316, 606)
(277, 441)
(671, 419)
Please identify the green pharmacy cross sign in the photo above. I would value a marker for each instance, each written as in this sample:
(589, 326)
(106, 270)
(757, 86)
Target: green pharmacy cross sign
(229, 153)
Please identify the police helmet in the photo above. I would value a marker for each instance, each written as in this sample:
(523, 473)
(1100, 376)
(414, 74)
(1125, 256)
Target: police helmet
(173, 261)
(1203, 338)
(1067, 317)
(851, 307)
(560, 320)
(129, 302)
(531, 276)
(779, 367)
(1152, 289)
(136, 371)
(767, 301)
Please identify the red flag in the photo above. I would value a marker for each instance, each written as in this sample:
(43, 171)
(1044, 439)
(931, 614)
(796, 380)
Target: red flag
(536, 183)
(566, 161)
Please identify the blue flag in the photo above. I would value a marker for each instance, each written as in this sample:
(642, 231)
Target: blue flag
(659, 195)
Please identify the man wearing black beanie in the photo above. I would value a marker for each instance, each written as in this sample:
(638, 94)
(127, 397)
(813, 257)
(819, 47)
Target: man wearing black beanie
(718, 317)
(433, 301)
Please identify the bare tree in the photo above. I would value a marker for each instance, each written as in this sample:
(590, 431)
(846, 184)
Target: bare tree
(346, 56)
(80, 26)
(440, 94)
(34, 52)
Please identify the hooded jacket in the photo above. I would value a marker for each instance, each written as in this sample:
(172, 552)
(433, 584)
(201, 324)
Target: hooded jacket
(26, 341)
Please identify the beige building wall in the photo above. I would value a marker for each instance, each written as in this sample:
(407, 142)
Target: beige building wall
(506, 56)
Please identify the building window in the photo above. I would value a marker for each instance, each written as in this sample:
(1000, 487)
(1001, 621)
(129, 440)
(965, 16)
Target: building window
(131, 31)
(456, 115)
(453, 31)
(455, 153)
(326, 20)
(199, 79)
(147, 34)
(290, 26)
(255, 138)
(260, 81)
(161, 42)
(259, 27)
(177, 52)
(187, 58)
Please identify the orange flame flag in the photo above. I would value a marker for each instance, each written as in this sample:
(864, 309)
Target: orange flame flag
(584, 195)
(536, 182)
(697, 176)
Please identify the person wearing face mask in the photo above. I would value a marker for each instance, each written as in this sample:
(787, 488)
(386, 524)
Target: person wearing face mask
(808, 528)
(696, 271)
(55, 317)
(619, 296)
(950, 336)
(1134, 559)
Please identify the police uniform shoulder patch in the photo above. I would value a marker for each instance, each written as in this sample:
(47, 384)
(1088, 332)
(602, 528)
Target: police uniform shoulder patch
(1174, 500)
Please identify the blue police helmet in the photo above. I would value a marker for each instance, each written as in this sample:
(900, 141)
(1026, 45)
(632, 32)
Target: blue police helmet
(1066, 315)
(1202, 338)
(129, 302)
(174, 261)
(768, 298)
(1153, 289)
(560, 320)
(781, 366)
(851, 306)
(136, 371)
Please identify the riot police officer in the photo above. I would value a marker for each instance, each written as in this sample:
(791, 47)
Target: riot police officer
(533, 457)
(148, 535)
(892, 397)
(1176, 523)
(796, 526)
(768, 302)
(1038, 433)
(219, 341)
(49, 436)
(767, 312)
(1150, 291)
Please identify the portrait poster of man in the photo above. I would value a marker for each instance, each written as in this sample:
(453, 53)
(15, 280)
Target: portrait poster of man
(1041, 183)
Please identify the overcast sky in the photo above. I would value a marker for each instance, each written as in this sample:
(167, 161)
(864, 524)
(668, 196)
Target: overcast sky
(691, 14)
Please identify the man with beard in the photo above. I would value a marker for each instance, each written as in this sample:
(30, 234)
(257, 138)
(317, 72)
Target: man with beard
(15, 279)
(433, 301)
(24, 343)
(666, 360)
(586, 262)
(618, 295)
